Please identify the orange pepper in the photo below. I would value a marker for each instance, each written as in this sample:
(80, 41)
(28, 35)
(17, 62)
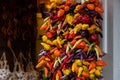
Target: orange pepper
(60, 13)
(92, 65)
(41, 58)
(85, 74)
(57, 53)
(91, 6)
(49, 34)
(46, 72)
(98, 9)
(66, 8)
(101, 63)
(81, 45)
(73, 42)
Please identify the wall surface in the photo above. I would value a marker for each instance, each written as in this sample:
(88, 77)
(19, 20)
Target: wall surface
(108, 47)
(116, 39)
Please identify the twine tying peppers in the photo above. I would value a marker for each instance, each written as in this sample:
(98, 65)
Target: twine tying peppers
(71, 42)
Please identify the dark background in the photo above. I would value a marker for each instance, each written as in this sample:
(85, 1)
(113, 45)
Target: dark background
(18, 25)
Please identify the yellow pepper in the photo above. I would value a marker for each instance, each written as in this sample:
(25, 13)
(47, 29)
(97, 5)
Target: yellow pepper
(66, 71)
(99, 68)
(69, 19)
(92, 76)
(85, 68)
(76, 15)
(77, 28)
(85, 62)
(85, 26)
(78, 62)
(73, 67)
(46, 46)
(80, 71)
(97, 72)
(57, 77)
(44, 38)
(77, 8)
(92, 71)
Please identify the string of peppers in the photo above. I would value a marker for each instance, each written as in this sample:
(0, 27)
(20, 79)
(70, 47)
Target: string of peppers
(71, 42)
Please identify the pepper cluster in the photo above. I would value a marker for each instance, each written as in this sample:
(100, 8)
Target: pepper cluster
(71, 42)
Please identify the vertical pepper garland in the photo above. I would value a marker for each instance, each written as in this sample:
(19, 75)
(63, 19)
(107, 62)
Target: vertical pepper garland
(71, 42)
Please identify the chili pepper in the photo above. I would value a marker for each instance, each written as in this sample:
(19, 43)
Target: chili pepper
(71, 35)
(46, 72)
(46, 25)
(61, 6)
(76, 43)
(85, 63)
(98, 9)
(101, 63)
(69, 19)
(77, 20)
(59, 73)
(40, 64)
(82, 45)
(90, 59)
(99, 50)
(49, 34)
(91, 6)
(85, 26)
(57, 53)
(92, 76)
(47, 59)
(80, 71)
(41, 58)
(73, 67)
(77, 28)
(99, 68)
(46, 46)
(73, 42)
(86, 19)
(92, 0)
(85, 74)
(57, 77)
(92, 66)
(97, 73)
(66, 71)
(66, 8)
(60, 12)
(92, 71)
(44, 38)
(77, 8)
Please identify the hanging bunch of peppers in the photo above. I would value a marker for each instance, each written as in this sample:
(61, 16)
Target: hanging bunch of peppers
(71, 42)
